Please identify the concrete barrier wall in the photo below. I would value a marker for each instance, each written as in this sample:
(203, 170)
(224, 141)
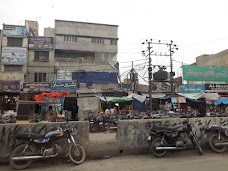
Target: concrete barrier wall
(7, 131)
(133, 133)
(131, 137)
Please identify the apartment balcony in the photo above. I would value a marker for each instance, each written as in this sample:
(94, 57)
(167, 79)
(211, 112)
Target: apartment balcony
(79, 61)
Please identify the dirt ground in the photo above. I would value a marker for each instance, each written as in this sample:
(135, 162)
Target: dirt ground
(181, 161)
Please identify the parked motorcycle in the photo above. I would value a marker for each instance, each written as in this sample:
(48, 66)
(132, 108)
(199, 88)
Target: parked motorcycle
(7, 118)
(111, 123)
(218, 137)
(162, 139)
(37, 146)
(96, 123)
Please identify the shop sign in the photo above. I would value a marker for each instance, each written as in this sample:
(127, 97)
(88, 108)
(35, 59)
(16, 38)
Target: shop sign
(205, 73)
(14, 31)
(14, 56)
(216, 87)
(63, 86)
(36, 87)
(43, 43)
(192, 89)
(10, 86)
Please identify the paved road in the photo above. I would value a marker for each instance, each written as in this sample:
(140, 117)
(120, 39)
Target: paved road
(181, 161)
(102, 136)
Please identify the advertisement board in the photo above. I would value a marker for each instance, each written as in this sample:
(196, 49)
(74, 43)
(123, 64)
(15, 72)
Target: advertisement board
(216, 87)
(10, 85)
(205, 73)
(41, 43)
(14, 31)
(64, 75)
(192, 89)
(63, 85)
(14, 55)
(36, 87)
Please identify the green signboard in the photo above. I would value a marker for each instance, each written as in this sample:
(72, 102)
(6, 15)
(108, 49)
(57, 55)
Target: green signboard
(205, 73)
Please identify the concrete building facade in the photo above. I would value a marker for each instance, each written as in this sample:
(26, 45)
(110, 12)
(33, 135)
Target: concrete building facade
(40, 55)
(218, 59)
(14, 44)
(71, 47)
(84, 46)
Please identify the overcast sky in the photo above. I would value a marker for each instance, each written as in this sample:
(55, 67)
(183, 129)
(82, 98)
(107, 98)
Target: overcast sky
(197, 26)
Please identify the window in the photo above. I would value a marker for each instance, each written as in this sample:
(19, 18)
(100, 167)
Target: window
(11, 68)
(39, 77)
(113, 42)
(98, 40)
(41, 55)
(14, 42)
(70, 38)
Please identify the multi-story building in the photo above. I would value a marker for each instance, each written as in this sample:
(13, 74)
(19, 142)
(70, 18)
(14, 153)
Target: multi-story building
(86, 50)
(14, 43)
(41, 56)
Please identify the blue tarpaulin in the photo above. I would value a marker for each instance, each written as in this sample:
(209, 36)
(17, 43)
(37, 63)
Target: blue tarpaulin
(95, 77)
(138, 106)
(222, 101)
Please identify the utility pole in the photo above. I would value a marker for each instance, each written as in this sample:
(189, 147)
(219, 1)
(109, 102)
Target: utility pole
(171, 68)
(150, 53)
(150, 78)
(172, 47)
(132, 77)
(149, 73)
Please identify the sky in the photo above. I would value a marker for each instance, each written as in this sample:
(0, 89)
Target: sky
(197, 26)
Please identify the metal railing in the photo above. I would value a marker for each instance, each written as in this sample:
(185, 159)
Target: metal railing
(79, 60)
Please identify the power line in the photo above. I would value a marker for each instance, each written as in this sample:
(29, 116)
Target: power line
(142, 78)
(134, 60)
(151, 52)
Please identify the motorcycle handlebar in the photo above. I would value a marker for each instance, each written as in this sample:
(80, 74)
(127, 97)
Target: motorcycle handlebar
(209, 122)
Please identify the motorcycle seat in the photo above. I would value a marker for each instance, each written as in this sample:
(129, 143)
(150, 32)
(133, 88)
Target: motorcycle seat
(169, 129)
(29, 136)
(216, 127)
(174, 129)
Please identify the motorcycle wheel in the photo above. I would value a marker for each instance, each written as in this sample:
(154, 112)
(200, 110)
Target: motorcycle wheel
(17, 153)
(156, 143)
(77, 156)
(109, 129)
(213, 139)
(196, 143)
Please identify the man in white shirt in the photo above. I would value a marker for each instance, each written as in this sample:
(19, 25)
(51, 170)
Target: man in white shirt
(107, 112)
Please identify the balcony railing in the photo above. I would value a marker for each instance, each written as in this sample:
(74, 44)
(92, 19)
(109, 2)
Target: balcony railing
(79, 60)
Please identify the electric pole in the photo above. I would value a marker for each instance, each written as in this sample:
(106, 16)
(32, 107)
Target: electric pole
(149, 73)
(171, 68)
(172, 47)
(132, 77)
(150, 78)
(150, 53)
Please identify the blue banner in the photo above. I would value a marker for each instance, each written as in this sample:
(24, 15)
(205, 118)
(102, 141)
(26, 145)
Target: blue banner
(15, 31)
(91, 78)
(63, 86)
(192, 89)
